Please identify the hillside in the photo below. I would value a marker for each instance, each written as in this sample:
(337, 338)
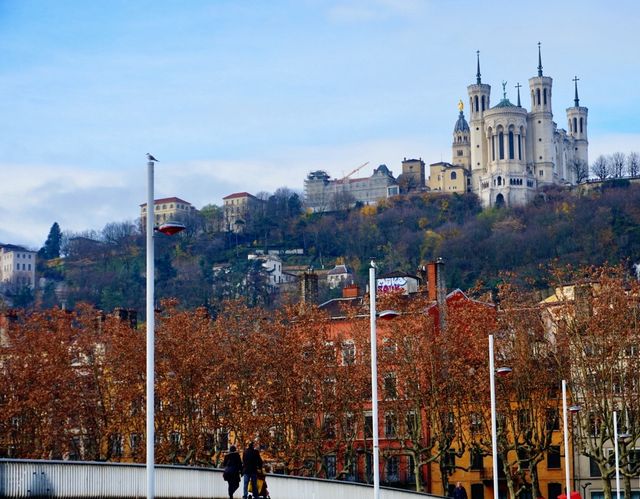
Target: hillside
(401, 233)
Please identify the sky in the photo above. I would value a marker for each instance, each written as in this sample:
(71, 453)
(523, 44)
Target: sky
(235, 96)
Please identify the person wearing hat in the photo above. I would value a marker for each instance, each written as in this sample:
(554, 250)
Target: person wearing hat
(232, 465)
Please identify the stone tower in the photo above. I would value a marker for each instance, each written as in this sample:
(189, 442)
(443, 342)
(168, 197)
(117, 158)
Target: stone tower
(461, 147)
(479, 95)
(541, 127)
(577, 125)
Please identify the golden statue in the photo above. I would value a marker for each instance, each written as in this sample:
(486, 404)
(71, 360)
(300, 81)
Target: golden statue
(460, 106)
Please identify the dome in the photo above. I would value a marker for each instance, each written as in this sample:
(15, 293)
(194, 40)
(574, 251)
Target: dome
(504, 103)
(461, 124)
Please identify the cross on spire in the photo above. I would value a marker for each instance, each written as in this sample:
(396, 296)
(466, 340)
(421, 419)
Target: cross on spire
(576, 101)
(539, 61)
(518, 86)
(478, 79)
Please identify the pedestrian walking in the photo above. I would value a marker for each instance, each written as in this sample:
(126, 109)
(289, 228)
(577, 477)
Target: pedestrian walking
(251, 462)
(232, 465)
(459, 492)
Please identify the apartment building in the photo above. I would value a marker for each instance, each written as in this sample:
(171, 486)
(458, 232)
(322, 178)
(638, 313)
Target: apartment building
(167, 209)
(17, 266)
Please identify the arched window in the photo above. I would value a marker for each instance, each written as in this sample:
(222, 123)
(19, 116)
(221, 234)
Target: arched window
(520, 147)
(499, 180)
(499, 201)
(575, 125)
(493, 147)
(483, 102)
(581, 122)
(538, 96)
(511, 146)
(545, 96)
(501, 144)
(476, 101)
(453, 176)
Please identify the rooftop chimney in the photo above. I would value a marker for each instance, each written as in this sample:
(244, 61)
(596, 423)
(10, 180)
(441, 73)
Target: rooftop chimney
(309, 287)
(350, 291)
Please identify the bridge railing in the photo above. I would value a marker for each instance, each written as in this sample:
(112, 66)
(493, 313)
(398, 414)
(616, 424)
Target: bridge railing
(78, 480)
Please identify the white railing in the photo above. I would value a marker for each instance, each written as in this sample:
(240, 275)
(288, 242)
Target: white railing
(69, 479)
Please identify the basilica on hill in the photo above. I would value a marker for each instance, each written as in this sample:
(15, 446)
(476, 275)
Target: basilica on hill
(506, 153)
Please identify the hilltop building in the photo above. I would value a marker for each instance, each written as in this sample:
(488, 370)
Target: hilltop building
(17, 266)
(321, 193)
(238, 207)
(509, 153)
(167, 209)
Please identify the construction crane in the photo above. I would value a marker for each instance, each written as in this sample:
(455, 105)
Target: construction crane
(353, 171)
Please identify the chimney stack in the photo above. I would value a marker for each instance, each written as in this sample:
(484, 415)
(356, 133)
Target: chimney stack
(309, 287)
(432, 281)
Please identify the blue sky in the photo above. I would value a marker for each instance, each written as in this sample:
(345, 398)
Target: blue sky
(252, 95)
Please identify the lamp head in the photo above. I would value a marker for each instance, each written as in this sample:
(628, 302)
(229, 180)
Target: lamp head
(503, 371)
(574, 409)
(171, 228)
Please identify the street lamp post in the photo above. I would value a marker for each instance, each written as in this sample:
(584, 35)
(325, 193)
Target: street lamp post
(373, 315)
(615, 449)
(494, 425)
(566, 430)
(584, 489)
(150, 333)
(169, 228)
(374, 381)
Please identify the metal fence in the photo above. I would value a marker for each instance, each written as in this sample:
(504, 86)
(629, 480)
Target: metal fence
(76, 480)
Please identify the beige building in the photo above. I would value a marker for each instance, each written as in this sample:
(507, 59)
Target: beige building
(167, 209)
(238, 207)
(17, 266)
(449, 178)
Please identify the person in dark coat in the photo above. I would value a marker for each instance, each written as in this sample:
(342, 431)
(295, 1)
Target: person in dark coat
(232, 465)
(459, 492)
(251, 462)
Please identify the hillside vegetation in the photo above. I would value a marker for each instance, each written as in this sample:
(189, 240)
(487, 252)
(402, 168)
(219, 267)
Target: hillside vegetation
(107, 269)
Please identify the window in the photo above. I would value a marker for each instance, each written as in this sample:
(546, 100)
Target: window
(115, 445)
(454, 176)
(553, 420)
(553, 457)
(554, 490)
(538, 96)
(475, 422)
(412, 423)
(134, 442)
(541, 171)
(390, 386)
(544, 96)
(348, 353)
(329, 427)
(392, 468)
(390, 425)
(476, 459)
(330, 466)
(175, 438)
(501, 144)
(450, 459)
(511, 146)
(594, 469)
(368, 425)
(460, 152)
(581, 122)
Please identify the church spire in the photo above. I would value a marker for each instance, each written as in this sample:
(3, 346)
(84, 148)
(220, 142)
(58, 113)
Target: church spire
(518, 87)
(478, 79)
(575, 99)
(539, 61)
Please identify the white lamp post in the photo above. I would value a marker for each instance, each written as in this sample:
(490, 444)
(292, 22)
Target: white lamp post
(168, 228)
(565, 427)
(386, 314)
(494, 429)
(615, 449)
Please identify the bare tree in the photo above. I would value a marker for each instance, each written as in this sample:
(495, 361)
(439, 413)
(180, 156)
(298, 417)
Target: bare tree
(633, 164)
(601, 168)
(580, 170)
(616, 163)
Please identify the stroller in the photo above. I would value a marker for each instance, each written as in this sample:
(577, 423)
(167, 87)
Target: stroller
(263, 493)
